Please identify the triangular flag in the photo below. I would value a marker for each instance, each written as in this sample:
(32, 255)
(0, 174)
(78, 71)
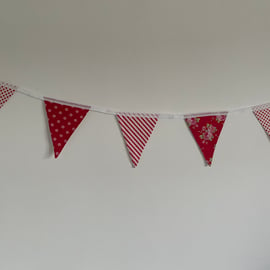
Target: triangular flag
(6, 91)
(136, 129)
(262, 113)
(206, 131)
(63, 119)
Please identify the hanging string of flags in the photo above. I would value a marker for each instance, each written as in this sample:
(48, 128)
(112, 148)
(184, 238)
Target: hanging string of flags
(65, 117)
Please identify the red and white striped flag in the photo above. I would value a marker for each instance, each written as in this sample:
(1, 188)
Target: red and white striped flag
(262, 113)
(136, 129)
(6, 91)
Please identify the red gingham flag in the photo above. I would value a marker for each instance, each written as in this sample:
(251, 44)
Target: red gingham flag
(206, 131)
(262, 113)
(136, 129)
(63, 120)
(6, 91)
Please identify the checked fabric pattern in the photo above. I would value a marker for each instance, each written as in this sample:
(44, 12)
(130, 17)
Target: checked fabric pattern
(262, 113)
(6, 91)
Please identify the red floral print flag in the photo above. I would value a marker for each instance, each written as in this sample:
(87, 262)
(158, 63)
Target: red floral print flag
(6, 91)
(63, 120)
(136, 130)
(262, 113)
(206, 131)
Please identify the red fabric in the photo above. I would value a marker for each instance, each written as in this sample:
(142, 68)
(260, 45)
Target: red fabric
(6, 91)
(136, 130)
(262, 113)
(63, 121)
(206, 131)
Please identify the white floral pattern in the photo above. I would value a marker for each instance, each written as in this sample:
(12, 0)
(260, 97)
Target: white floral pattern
(208, 133)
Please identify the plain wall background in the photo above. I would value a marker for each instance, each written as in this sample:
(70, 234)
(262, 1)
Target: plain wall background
(89, 209)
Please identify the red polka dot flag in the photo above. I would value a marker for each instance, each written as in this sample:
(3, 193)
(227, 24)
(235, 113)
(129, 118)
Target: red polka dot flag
(6, 91)
(136, 130)
(63, 120)
(206, 131)
(262, 113)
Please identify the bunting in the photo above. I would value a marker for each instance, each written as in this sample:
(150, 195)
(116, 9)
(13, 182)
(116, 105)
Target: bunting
(6, 92)
(262, 113)
(63, 120)
(136, 130)
(206, 131)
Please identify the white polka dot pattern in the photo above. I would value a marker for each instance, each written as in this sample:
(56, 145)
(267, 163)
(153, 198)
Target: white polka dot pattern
(6, 91)
(62, 120)
(262, 113)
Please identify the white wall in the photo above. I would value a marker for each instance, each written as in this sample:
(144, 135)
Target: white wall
(89, 209)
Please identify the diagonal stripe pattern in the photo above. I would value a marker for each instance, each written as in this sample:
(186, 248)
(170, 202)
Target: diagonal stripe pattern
(262, 113)
(136, 129)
